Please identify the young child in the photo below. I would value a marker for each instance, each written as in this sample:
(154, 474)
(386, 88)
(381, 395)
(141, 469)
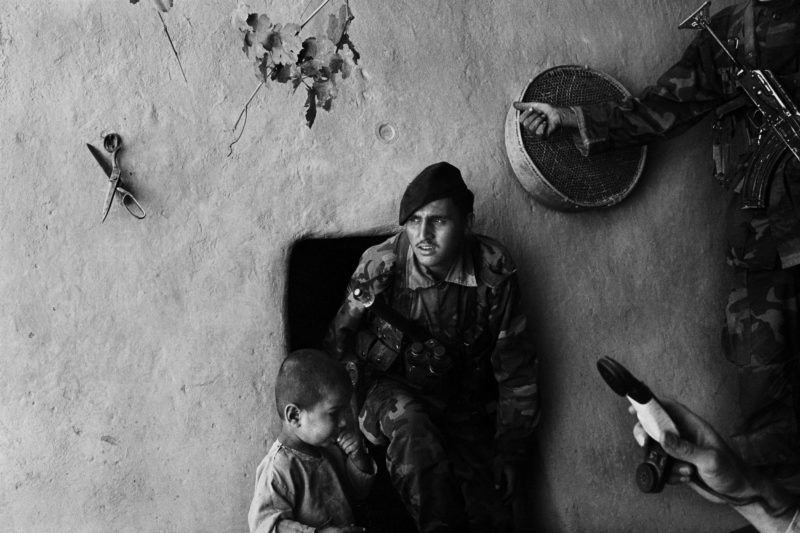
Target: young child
(305, 482)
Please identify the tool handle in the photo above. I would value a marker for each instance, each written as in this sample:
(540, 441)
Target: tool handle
(131, 204)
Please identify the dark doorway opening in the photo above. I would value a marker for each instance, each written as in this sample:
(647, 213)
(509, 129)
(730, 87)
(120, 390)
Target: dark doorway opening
(319, 270)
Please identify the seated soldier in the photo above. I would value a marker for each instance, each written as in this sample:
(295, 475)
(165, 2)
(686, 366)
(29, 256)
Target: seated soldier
(458, 412)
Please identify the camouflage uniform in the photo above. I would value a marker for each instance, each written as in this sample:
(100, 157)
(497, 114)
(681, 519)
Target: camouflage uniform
(761, 333)
(443, 440)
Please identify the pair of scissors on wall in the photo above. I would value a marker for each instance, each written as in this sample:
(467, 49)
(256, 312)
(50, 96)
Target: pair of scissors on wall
(113, 143)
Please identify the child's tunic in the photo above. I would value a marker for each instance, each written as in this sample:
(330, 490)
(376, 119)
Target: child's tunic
(298, 492)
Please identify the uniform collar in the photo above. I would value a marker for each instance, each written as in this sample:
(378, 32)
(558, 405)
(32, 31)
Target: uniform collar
(461, 273)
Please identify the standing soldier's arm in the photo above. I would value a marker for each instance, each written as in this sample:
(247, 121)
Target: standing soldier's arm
(681, 97)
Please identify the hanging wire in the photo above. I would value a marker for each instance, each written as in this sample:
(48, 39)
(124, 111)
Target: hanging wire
(305, 8)
(243, 118)
(174, 51)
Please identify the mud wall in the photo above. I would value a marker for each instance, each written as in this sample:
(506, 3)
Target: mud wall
(138, 356)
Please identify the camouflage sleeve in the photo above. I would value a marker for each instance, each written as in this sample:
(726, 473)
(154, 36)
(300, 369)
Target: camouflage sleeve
(516, 371)
(339, 340)
(374, 269)
(681, 97)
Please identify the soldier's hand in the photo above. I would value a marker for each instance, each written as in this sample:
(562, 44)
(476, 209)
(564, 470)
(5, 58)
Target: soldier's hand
(506, 479)
(542, 120)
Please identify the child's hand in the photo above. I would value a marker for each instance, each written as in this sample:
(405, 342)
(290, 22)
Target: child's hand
(350, 443)
(347, 529)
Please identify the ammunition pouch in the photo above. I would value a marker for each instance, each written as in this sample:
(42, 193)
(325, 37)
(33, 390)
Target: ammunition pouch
(378, 345)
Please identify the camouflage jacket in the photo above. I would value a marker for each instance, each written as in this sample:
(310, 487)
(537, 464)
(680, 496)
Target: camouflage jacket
(475, 312)
(701, 82)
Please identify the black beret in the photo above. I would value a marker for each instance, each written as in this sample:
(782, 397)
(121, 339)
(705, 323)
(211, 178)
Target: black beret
(435, 182)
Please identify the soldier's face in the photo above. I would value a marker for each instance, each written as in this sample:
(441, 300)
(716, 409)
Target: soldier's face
(436, 233)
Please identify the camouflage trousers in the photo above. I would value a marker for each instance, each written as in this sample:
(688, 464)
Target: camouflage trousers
(440, 462)
(762, 338)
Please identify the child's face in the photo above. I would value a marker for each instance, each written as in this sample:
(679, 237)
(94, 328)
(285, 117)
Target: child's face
(321, 424)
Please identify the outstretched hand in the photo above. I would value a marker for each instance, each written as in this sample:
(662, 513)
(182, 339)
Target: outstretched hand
(539, 119)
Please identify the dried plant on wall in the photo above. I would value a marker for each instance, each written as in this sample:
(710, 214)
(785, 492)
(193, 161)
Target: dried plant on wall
(281, 55)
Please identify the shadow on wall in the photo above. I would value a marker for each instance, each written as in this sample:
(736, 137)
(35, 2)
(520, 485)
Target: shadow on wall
(319, 270)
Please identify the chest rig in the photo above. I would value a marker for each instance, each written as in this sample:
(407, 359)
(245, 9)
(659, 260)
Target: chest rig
(426, 356)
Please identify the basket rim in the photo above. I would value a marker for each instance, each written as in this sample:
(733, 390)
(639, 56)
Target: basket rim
(606, 202)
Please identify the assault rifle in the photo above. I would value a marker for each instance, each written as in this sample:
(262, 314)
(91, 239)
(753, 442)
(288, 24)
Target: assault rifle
(778, 120)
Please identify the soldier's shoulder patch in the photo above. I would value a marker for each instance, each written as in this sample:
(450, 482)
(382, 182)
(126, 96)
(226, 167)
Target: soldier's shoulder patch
(495, 264)
(377, 264)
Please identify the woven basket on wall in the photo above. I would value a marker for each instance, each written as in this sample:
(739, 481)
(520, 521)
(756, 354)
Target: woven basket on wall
(552, 170)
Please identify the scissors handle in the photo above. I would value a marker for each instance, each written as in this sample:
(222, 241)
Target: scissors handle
(130, 203)
(112, 142)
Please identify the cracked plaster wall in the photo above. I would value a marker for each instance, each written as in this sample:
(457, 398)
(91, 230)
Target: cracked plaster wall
(137, 357)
